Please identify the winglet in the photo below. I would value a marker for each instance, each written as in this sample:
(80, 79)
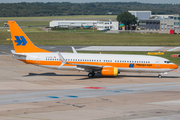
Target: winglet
(62, 59)
(74, 50)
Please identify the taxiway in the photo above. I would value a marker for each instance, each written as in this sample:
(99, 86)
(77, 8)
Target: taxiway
(29, 92)
(6, 49)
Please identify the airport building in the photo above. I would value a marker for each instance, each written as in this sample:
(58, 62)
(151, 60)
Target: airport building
(161, 23)
(149, 24)
(162, 16)
(170, 24)
(107, 25)
(100, 25)
(74, 23)
(141, 15)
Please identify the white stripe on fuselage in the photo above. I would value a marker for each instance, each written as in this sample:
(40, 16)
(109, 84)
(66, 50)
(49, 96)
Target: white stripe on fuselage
(45, 56)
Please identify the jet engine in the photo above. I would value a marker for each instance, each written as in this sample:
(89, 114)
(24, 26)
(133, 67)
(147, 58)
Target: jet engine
(109, 71)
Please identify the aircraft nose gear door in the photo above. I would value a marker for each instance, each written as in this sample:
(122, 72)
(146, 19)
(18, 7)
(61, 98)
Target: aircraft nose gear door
(157, 63)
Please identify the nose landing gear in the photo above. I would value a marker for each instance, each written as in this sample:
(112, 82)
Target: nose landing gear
(159, 76)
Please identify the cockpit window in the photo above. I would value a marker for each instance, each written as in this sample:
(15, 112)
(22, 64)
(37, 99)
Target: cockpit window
(167, 61)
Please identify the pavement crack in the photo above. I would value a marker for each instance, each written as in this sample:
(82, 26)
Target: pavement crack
(104, 99)
(78, 106)
(74, 105)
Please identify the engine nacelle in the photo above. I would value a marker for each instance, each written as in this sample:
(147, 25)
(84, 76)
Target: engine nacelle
(109, 71)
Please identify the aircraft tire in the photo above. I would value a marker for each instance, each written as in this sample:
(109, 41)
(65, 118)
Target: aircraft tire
(90, 75)
(159, 76)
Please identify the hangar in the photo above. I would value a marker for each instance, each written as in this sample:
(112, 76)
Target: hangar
(74, 23)
(100, 25)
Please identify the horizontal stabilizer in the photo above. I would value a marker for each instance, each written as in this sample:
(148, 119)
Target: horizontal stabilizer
(19, 54)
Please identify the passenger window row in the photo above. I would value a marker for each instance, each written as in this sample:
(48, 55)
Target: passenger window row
(84, 60)
(128, 61)
(53, 59)
(117, 61)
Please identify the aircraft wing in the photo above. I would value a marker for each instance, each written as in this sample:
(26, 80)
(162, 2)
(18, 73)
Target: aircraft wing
(84, 66)
(87, 66)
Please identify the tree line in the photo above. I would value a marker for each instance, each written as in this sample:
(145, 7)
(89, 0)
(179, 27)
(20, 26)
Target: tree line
(24, 9)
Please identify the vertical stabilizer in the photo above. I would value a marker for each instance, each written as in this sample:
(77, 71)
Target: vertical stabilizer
(21, 42)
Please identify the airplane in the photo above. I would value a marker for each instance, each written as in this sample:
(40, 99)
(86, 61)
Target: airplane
(105, 64)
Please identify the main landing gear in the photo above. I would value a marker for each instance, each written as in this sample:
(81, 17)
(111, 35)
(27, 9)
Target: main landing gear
(91, 74)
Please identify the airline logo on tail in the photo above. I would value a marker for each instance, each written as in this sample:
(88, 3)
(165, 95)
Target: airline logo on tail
(20, 40)
(22, 44)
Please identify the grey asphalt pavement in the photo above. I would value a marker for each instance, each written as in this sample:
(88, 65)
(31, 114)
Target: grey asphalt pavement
(5, 49)
(28, 92)
(86, 93)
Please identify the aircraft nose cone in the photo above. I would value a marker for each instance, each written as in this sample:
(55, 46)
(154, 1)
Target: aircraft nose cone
(174, 66)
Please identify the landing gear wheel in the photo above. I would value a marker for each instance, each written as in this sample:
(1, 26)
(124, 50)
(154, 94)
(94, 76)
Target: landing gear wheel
(91, 74)
(159, 76)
